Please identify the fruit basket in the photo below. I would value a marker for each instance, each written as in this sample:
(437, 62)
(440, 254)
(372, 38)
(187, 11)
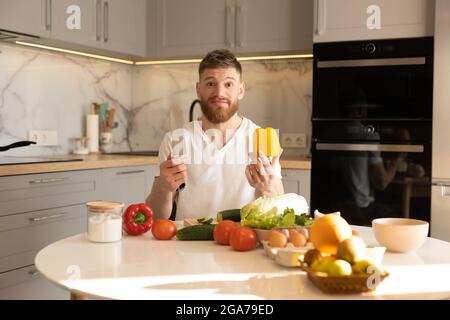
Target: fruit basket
(356, 283)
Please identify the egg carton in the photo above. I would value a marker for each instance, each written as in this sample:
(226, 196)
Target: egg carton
(287, 256)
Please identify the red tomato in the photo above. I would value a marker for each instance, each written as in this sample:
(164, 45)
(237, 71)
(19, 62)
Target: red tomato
(223, 230)
(164, 229)
(243, 239)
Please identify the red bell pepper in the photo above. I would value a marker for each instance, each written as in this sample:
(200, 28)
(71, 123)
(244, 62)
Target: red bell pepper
(137, 219)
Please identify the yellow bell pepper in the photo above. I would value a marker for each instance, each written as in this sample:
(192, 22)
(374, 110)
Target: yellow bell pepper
(266, 140)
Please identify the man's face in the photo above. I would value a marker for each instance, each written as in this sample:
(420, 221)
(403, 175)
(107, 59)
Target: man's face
(219, 91)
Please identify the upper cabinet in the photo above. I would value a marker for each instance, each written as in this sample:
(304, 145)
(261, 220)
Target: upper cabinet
(273, 25)
(26, 16)
(76, 21)
(124, 26)
(194, 27)
(114, 26)
(187, 28)
(346, 20)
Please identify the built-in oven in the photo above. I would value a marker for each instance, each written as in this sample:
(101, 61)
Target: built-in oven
(372, 129)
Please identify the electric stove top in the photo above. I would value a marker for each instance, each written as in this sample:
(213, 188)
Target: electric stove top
(29, 160)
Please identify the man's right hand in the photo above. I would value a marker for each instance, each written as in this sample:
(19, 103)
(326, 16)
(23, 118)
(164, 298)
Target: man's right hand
(173, 173)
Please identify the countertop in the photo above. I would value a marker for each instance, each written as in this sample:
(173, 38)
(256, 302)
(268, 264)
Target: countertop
(144, 268)
(99, 161)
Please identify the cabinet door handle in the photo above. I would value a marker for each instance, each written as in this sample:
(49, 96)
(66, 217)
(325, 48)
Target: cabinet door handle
(105, 21)
(44, 181)
(320, 15)
(33, 273)
(239, 26)
(229, 25)
(129, 172)
(98, 8)
(48, 14)
(54, 216)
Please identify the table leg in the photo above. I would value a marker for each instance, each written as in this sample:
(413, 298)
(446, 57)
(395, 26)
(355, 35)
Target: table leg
(76, 296)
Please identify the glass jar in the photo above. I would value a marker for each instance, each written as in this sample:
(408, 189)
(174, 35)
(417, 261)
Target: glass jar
(104, 221)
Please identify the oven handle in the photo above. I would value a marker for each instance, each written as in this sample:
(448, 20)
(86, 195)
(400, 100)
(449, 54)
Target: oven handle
(370, 147)
(371, 62)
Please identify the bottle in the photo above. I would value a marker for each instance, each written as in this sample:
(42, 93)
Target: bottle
(104, 221)
(92, 130)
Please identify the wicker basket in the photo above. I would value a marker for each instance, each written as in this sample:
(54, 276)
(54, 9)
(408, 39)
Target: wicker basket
(344, 284)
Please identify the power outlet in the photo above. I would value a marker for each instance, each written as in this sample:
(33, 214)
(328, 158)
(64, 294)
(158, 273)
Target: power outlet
(293, 140)
(43, 137)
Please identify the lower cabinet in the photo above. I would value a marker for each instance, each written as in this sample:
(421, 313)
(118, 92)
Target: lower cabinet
(28, 283)
(23, 233)
(297, 181)
(128, 184)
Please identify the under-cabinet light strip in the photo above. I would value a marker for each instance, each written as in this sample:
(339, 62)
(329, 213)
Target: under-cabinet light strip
(291, 56)
(90, 55)
(156, 62)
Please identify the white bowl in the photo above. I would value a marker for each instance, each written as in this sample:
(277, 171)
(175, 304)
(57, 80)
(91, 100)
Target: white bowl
(400, 234)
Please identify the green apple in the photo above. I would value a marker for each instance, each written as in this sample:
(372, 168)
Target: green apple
(339, 268)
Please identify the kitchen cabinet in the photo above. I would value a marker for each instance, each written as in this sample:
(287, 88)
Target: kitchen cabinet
(77, 27)
(128, 184)
(39, 209)
(192, 28)
(27, 283)
(114, 25)
(35, 211)
(273, 25)
(103, 26)
(297, 181)
(124, 26)
(26, 16)
(346, 20)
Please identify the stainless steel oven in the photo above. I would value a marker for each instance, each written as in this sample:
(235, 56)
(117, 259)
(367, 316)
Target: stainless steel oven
(372, 129)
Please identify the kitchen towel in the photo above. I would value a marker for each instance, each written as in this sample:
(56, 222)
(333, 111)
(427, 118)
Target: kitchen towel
(92, 132)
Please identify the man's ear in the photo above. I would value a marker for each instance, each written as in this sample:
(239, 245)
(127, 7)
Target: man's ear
(197, 89)
(241, 90)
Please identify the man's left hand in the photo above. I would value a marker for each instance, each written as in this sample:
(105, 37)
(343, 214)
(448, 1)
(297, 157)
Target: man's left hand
(263, 175)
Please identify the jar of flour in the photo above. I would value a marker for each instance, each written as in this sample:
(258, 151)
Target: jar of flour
(104, 221)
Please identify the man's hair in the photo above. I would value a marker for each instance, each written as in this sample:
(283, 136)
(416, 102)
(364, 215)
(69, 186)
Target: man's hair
(219, 59)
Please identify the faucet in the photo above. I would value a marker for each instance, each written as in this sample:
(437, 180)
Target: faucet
(191, 110)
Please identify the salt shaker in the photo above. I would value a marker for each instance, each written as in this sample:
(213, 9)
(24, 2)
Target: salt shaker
(104, 221)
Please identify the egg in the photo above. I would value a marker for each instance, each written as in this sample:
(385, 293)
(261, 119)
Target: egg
(297, 238)
(277, 239)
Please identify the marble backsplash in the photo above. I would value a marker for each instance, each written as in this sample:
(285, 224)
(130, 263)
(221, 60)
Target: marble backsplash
(40, 90)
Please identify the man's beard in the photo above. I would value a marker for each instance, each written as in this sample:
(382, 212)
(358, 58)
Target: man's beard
(219, 115)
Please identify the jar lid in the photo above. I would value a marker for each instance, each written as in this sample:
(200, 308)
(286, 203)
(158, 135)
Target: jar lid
(104, 206)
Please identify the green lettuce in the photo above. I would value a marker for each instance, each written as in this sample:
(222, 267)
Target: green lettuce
(268, 213)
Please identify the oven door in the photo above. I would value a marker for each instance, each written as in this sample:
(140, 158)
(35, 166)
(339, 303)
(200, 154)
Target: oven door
(365, 180)
(393, 82)
(379, 92)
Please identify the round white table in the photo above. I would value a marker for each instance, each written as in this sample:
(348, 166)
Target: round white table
(144, 268)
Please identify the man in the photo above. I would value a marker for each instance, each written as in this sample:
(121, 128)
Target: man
(212, 173)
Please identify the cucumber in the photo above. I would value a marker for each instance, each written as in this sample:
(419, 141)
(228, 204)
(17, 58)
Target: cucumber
(232, 214)
(197, 232)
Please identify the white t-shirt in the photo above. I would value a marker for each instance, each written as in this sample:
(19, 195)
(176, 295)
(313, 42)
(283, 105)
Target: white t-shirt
(216, 177)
